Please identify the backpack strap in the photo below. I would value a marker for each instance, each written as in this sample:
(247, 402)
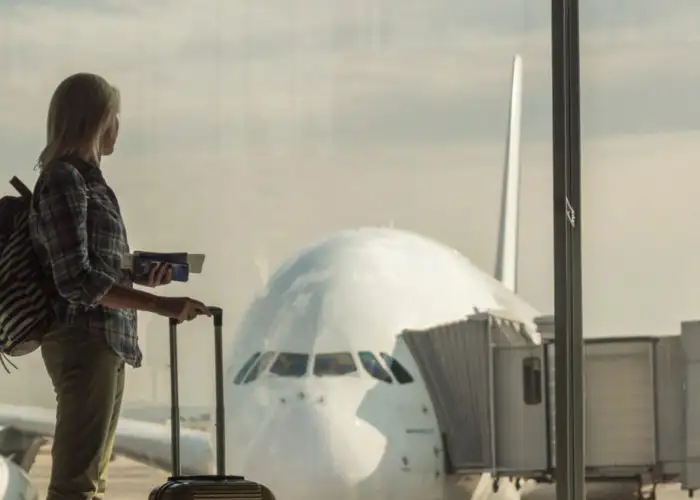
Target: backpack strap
(21, 187)
(4, 361)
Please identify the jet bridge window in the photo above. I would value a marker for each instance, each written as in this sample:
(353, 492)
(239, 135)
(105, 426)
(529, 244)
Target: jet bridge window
(372, 365)
(397, 370)
(532, 380)
(334, 364)
(252, 368)
(290, 364)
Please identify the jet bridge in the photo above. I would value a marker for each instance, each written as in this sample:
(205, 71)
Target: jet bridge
(494, 396)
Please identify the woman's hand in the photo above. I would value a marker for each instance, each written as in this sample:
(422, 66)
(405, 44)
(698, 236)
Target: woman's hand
(161, 274)
(181, 308)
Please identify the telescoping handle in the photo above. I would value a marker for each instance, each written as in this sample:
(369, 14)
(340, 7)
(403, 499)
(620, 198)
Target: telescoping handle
(217, 314)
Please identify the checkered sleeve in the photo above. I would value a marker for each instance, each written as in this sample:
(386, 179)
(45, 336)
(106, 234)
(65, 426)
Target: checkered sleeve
(62, 214)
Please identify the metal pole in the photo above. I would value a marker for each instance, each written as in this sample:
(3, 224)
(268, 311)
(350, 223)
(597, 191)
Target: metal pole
(174, 401)
(570, 452)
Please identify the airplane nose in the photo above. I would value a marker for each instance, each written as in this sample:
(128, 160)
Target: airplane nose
(303, 447)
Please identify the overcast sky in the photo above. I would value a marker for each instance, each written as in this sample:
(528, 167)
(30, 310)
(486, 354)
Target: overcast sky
(252, 128)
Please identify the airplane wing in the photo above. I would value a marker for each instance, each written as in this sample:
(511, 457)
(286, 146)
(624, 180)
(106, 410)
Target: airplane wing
(145, 442)
(20, 447)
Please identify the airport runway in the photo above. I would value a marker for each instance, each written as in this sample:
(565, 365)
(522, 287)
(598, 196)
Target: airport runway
(128, 480)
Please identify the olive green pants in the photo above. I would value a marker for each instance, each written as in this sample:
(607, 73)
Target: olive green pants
(88, 378)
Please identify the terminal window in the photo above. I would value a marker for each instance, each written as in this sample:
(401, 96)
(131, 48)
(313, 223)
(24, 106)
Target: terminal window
(532, 381)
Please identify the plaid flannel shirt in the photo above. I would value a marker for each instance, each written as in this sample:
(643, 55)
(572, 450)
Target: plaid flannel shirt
(79, 236)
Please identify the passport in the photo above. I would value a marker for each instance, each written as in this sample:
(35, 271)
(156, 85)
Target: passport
(183, 264)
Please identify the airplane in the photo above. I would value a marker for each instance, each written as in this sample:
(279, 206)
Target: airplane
(324, 400)
(321, 397)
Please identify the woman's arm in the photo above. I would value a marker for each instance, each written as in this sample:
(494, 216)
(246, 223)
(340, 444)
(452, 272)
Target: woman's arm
(122, 297)
(62, 211)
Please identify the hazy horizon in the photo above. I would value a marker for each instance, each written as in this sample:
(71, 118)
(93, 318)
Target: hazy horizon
(260, 127)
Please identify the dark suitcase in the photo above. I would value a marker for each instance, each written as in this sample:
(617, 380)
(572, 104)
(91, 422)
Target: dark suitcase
(219, 486)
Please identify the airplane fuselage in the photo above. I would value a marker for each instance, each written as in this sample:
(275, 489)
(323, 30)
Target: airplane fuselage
(313, 404)
(338, 436)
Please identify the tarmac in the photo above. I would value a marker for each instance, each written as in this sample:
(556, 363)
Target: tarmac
(128, 480)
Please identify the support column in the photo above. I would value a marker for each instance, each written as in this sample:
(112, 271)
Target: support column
(570, 456)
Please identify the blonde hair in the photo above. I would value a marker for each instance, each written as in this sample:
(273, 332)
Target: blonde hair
(83, 108)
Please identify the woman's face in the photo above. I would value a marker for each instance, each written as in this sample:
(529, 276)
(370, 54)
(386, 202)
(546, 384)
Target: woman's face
(110, 137)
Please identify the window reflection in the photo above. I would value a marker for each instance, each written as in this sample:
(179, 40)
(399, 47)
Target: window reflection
(290, 364)
(338, 363)
(372, 365)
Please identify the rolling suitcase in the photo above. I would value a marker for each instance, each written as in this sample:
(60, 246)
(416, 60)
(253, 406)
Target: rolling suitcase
(219, 486)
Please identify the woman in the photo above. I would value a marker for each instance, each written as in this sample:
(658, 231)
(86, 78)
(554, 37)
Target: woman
(79, 236)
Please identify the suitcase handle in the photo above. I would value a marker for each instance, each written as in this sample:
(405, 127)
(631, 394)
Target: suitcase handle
(220, 416)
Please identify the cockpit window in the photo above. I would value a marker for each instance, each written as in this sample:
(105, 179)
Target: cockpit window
(397, 370)
(372, 365)
(334, 363)
(244, 369)
(290, 364)
(252, 369)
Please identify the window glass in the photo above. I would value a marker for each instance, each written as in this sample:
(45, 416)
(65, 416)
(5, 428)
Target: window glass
(290, 364)
(640, 122)
(532, 380)
(270, 95)
(397, 370)
(245, 368)
(372, 365)
(335, 363)
(262, 364)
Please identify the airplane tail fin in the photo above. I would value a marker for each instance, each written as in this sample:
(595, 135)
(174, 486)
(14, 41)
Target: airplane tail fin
(507, 257)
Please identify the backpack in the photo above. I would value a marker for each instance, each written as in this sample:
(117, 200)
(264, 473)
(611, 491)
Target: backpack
(25, 294)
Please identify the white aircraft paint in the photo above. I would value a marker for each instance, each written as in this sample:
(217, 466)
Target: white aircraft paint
(14, 482)
(352, 435)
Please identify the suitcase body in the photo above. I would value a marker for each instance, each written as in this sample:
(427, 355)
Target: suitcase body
(210, 487)
(219, 486)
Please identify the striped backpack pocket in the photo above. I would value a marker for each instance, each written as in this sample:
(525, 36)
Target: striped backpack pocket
(25, 309)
